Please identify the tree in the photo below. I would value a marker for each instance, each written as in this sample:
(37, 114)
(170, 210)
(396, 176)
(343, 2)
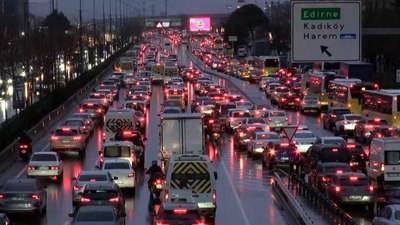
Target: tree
(245, 20)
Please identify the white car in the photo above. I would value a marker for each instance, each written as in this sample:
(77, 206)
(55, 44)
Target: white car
(270, 89)
(276, 118)
(264, 82)
(246, 105)
(388, 215)
(310, 102)
(259, 140)
(346, 123)
(331, 140)
(303, 139)
(45, 164)
(236, 118)
(122, 172)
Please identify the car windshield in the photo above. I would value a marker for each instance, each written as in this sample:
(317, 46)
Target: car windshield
(341, 111)
(304, 135)
(377, 122)
(97, 177)
(73, 123)
(44, 157)
(256, 121)
(244, 104)
(311, 98)
(117, 151)
(97, 216)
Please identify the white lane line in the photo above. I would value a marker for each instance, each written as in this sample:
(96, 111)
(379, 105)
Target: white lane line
(24, 169)
(245, 218)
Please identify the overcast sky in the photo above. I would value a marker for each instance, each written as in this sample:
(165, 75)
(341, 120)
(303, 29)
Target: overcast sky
(71, 7)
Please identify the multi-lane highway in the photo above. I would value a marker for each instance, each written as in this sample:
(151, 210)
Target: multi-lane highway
(243, 192)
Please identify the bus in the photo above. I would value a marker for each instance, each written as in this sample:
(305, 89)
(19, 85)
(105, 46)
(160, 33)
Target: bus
(348, 93)
(317, 84)
(269, 64)
(382, 103)
(218, 43)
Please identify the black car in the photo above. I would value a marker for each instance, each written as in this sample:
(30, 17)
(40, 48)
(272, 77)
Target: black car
(329, 118)
(179, 214)
(23, 196)
(97, 214)
(389, 197)
(321, 176)
(103, 194)
(358, 157)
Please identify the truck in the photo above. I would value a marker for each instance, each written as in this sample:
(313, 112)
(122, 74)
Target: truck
(128, 62)
(357, 69)
(181, 134)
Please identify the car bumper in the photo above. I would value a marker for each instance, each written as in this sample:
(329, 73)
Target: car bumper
(43, 173)
(311, 106)
(66, 147)
(350, 201)
(19, 207)
(125, 183)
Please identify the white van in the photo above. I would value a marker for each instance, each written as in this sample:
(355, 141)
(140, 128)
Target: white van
(191, 178)
(118, 120)
(118, 150)
(383, 167)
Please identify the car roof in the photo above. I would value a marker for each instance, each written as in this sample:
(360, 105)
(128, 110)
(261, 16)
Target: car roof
(45, 153)
(116, 160)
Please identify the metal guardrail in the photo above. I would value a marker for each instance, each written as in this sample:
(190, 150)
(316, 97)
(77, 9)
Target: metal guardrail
(288, 201)
(10, 154)
(331, 212)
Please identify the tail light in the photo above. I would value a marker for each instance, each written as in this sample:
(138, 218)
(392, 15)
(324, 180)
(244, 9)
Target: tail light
(127, 133)
(325, 179)
(180, 211)
(382, 167)
(31, 168)
(77, 138)
(370, 188)
(338, 189)
(81, 110)
(284, 144)
(272, 152)
(350, 145)
(339, 171)
(36, 197)
(131, 174)
(214, 197)
(54, 168)
(333, 116)
(1, 196)
(345, 122)
(286, 119)
(241, 134)
(353, 178)
(369, 126)
(54, 138)
(116, 199)
(78, 188)
(23, 146)
(99, 110)
(85, 200)
(269, 120)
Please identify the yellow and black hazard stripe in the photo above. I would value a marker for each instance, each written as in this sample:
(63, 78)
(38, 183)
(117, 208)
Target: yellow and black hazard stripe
(191, 175)
(114, 125)
(171, 71)
(158, 69)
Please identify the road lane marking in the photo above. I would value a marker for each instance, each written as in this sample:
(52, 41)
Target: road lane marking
(246, 220)
(24, 169)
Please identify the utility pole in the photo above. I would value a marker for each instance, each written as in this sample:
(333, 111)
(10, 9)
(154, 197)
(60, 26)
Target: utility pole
(94, 24)
(111, 31)
(104, 26)
(80, 37)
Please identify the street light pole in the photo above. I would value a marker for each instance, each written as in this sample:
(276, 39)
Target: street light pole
(80, 37)
(94, 24)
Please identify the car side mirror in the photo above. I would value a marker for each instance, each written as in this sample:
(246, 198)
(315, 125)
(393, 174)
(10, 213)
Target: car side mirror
(123, 214)
(72, 214)
(215, 175)
(73, 178)
(115, 178)
(100, 152)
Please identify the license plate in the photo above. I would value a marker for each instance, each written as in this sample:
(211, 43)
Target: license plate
(43, 168)
(158, 186)
(290, 103)
(65, 141)
(355, 197)
(285, 158)
(23, 151)
(393, 174)
(16, 199)
(355, 163)
(118, 181)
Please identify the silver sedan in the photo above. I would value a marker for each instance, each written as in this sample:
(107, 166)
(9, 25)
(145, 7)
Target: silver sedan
(45, 164)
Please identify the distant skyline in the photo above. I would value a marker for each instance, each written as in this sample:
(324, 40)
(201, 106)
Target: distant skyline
(71, 7)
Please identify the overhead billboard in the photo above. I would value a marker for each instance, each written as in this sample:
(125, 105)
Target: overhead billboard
(199, 24)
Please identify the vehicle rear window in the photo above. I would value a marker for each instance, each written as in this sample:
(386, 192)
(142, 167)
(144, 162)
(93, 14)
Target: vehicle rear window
(98, 216)
(377, 122)
(397, 215)
(353, 117)
(335, 155)
(241, 114)
(335, 142)
(100, 194)
(23, 186)
(117, 151)
(341, 111)
(66, 132)
(304, 135)
(333, 169)
(91, 106)
(255, 121)
(272, 114)
(392, 157)
(170, 216)
(44, 157)
(116, 165)
(244, 104)
(97, 177)
(358, 182)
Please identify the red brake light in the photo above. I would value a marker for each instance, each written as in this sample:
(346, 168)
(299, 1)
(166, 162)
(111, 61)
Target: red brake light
(285, 144)
(36, 197)
(85, 199)
(1, 196)
(54, 168)
(334, 149)
(126, 133)
(211, 121)
(66, 129)
(131, 175)
(338, 189)
(31, 168)
(325, 179)
(350, 145)
(353, 178)
(77, 138)
(54, 138)
(333, 116)
(90, 104)
(370, 188)
(116, 199)
(180, 211)
(99, 110)
(369, 126)
(78, 188)
(339, 171)
(272, 152)
(377, 119)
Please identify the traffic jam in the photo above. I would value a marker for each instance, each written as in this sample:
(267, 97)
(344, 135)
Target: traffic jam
(101, 148)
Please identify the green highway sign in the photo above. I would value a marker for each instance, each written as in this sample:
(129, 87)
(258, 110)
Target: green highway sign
(326, 31)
